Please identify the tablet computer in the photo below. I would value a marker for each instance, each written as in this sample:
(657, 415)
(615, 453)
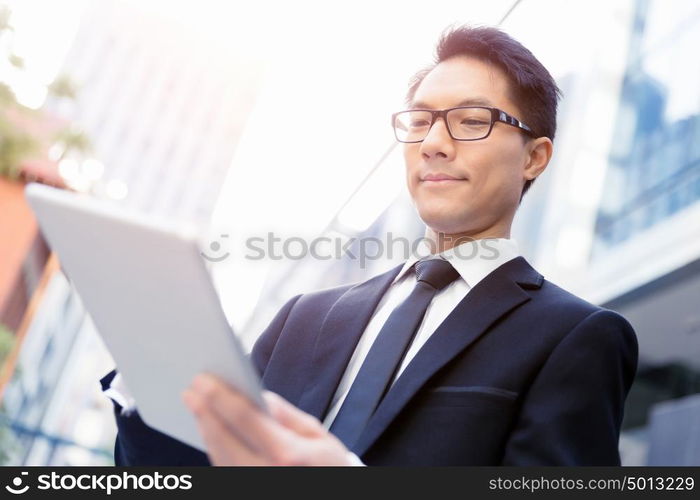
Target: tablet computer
(146, 286)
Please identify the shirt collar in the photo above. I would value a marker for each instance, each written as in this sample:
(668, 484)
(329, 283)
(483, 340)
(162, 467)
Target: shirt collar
(473, 260)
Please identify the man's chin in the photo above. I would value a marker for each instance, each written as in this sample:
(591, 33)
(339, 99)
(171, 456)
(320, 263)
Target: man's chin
(444, 222)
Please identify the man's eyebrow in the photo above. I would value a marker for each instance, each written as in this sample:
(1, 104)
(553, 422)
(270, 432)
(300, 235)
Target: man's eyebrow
(474, 101)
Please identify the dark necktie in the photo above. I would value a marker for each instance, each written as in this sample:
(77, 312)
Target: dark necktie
(388, 350)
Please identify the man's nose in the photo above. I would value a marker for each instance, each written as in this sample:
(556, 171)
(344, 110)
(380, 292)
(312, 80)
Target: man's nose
(438, 143)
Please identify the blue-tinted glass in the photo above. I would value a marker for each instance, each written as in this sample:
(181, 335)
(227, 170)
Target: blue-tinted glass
(655, 158)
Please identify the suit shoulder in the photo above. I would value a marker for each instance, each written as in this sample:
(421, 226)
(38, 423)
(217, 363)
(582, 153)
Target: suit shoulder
(555, 296)
(328, 292)
(333, 293)
(584, 314)
(566, 308)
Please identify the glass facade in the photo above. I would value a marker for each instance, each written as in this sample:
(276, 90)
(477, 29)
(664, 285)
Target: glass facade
(653, 175)
(46, 418)
(654, 167)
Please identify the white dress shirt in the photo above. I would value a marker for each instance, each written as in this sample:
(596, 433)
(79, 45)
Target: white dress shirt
(473, 260)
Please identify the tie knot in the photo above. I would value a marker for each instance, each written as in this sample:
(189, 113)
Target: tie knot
(438, 273)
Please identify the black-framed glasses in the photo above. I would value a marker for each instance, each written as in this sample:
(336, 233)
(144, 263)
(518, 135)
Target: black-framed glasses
(464, 123)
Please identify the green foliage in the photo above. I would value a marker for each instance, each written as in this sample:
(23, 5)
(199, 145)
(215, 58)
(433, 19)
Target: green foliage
(14, 146)
(5, 14)
(16, 61)
(73, 141)
(7, 97)
(7, 340)
(63, 87)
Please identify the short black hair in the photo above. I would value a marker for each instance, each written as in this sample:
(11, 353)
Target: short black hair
(533, 88)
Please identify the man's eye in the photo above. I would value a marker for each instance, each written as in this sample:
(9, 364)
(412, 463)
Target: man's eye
(419, 123)
(470, 122)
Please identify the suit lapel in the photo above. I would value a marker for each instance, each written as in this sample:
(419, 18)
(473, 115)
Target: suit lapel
(341, 330)
(494, 296)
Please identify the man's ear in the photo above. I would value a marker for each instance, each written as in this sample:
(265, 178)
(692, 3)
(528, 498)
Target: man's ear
(539, 154)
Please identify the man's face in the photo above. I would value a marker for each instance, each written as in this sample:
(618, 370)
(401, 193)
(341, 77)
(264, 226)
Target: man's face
(488, 174)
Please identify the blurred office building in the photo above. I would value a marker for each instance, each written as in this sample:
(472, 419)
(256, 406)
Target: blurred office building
(646, 249)
(621, 218)
(163, 106)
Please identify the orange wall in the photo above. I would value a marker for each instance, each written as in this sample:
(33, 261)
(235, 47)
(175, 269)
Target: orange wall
(17, 231)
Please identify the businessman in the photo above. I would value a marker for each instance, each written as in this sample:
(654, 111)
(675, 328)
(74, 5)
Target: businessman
(457, 357)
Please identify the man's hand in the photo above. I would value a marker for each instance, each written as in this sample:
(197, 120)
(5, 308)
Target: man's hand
(236, 432)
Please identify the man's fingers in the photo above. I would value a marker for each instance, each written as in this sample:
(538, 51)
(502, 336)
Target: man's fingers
(223, 447)
(322, 447)
(241, 417)
(237, 432)
(292, 417)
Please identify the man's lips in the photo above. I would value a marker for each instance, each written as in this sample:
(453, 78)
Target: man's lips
(438, 178)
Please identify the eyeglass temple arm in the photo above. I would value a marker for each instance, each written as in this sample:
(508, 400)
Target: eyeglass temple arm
(510, 120)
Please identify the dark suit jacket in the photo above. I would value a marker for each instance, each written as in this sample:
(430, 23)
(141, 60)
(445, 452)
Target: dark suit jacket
(520, 373)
